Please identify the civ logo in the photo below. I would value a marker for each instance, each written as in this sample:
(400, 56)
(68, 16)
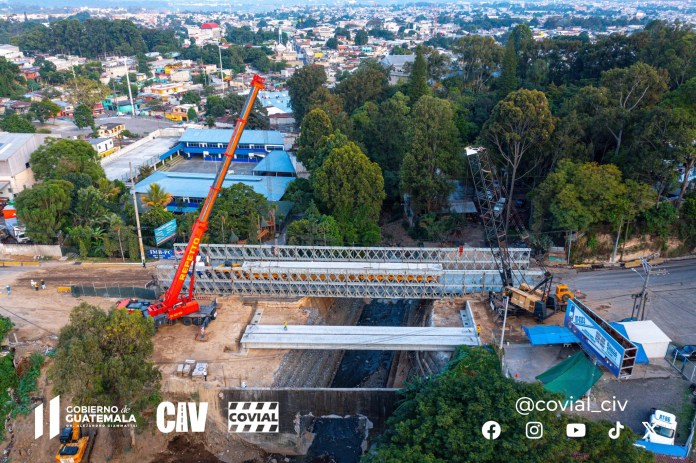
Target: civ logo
(53, 419)
(253, 417)
(185, 412)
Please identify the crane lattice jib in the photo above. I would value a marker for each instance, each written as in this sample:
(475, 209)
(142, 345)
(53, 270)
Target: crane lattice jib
(171, 297)
(488, 194)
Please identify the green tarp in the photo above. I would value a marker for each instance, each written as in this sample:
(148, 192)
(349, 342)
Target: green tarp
(572, 377)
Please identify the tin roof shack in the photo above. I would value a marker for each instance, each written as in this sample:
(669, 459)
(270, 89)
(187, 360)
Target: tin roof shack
(15, 154)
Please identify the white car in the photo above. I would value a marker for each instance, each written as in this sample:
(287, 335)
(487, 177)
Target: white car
(663, 428)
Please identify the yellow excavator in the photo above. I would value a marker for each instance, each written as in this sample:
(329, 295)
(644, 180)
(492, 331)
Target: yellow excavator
(76, 444)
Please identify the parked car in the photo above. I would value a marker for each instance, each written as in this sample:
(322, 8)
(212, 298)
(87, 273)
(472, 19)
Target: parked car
(688, 351)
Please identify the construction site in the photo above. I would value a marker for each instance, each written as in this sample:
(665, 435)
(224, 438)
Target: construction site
(326, 336)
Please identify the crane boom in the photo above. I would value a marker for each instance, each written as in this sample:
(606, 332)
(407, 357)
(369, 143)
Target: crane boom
(173, 303)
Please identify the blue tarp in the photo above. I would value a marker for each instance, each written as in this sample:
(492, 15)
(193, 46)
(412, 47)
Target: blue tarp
(664, 449)
(549, 334)
(641, 357)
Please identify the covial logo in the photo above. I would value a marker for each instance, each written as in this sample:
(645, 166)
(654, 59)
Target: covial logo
(253, 417)
(53, 419)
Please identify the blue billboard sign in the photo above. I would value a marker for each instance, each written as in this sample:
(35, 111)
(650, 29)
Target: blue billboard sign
(160, 253)
(600, 340)
(165, 232)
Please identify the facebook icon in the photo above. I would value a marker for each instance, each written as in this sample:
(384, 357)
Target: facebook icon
(491, 430)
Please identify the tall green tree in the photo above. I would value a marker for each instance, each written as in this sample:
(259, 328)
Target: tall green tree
(301, 85)
(418, 81)
(351, 188)
(314, 229)
(630, 90)
(83, 116)
(105, 358)
(239, 213)
(315, 126)
(59, 158)
(88, 92)
(508, 82)
(577, 196)
(478, 58)
(43, 110)
(368, 83)
(43, 209)
(518, 126)
(361, 37)
(433, 156)
(90, 207)
(15, 123)
(191, 115)
(11, 84)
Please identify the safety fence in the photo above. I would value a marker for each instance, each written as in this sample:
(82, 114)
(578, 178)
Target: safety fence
(680, 361)
(114, 291)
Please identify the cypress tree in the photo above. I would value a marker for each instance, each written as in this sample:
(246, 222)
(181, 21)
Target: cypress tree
(418, 82)
(508, 82)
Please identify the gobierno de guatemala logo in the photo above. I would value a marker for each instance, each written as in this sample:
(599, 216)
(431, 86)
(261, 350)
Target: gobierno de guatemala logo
(87, 416)
(253, 417)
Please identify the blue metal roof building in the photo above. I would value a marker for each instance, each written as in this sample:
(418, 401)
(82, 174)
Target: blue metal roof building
(276, 163)
(193, 188)
(212, 143)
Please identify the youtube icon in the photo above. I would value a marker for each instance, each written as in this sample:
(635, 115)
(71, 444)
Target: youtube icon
(575, 430)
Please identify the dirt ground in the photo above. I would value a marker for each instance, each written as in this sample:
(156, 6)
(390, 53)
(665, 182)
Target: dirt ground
(39, 316)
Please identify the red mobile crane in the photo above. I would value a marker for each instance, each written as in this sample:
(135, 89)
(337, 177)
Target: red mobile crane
(173, 305)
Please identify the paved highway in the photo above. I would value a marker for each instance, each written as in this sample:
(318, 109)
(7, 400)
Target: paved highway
(672, 300)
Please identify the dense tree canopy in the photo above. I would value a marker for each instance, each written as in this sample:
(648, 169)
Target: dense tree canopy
(59, 158)
(105, 358)
(301, 85)
(433, 155)
(43, 209)
(439, 421)
(351, 188)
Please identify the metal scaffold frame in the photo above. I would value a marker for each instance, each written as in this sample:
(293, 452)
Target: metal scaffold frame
(454, 271)
(461, 258)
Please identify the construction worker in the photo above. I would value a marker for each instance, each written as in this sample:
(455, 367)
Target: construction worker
(8, 289)
(285, 326)
(43, 284)
(33, 283)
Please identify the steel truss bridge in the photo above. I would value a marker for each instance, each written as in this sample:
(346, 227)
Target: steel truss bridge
(349, 272)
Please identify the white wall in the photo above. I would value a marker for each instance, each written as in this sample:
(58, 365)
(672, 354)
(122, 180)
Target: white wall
(30, 250)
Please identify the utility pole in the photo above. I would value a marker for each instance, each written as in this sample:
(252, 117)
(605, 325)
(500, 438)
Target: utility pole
(644, 293)
(222, 78)
(137, 215)
(130, 94)
(639, 306)
(506, 299)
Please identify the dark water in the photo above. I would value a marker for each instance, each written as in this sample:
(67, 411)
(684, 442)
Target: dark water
(339, 439)
(370, 368)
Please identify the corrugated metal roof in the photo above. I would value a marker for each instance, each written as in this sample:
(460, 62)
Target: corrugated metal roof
(276, 161)
(11, 142)
(182, 184)
(256, 137)
(549, 334)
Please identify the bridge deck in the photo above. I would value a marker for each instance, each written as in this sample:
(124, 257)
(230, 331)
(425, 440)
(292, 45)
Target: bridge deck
(358, 337)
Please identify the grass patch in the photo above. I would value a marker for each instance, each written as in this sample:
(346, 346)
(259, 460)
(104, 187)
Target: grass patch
(19, 402)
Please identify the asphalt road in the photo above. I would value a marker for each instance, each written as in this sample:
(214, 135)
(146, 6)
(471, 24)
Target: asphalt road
(671, 301)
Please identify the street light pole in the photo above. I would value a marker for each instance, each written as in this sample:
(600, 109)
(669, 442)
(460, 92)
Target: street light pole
(130, 92)
(506, 299)
(137, 215)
